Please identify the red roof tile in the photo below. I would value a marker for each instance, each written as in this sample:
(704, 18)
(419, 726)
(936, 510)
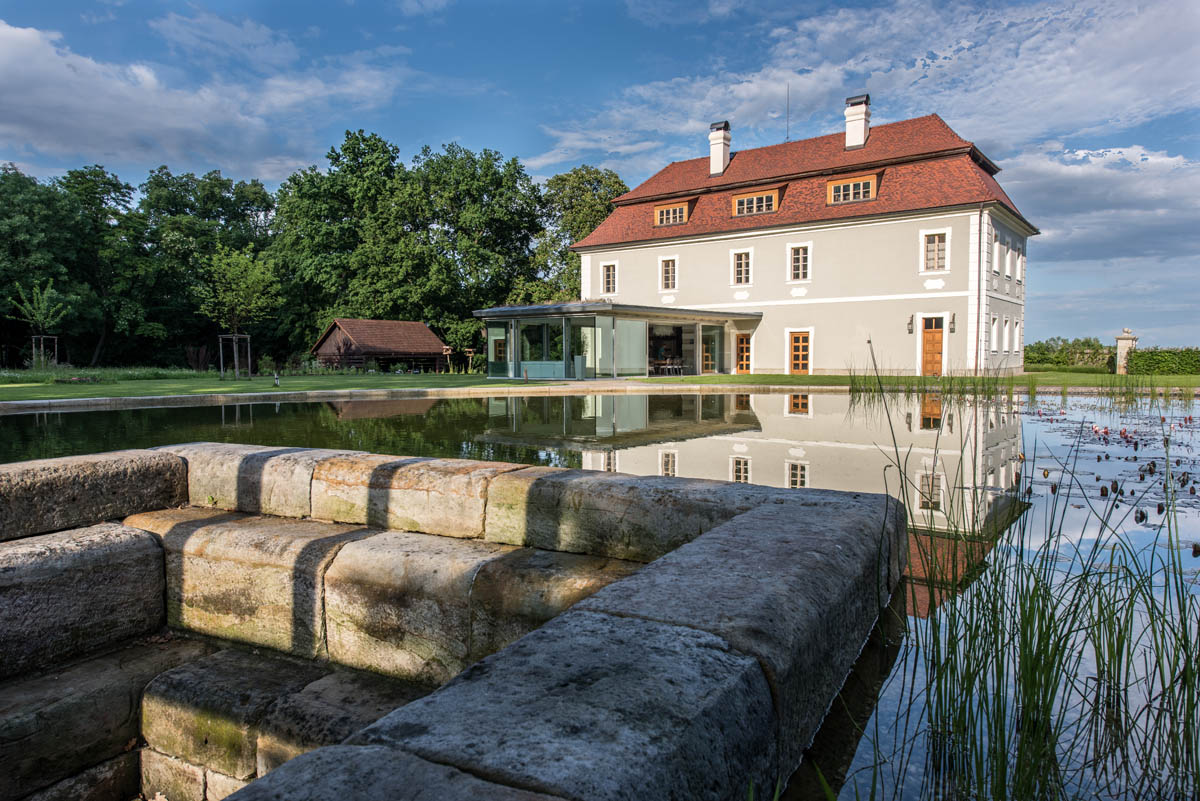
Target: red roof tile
(387, 336)
(897, 140)
(922, 164)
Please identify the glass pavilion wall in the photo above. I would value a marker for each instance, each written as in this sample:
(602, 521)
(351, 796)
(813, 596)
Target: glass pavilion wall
(599, 346)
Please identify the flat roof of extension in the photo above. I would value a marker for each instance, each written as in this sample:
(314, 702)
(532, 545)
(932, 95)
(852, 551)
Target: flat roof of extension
(607, 307)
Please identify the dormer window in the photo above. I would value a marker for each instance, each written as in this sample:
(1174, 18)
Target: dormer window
(675, 214)
(851, 191)
(759, 202)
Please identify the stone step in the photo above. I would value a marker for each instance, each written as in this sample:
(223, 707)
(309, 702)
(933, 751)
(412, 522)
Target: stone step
(249, 579)
(404, 604)
(117, 779)
(259, 479)
(214, 724)
(638, 518)
(66, 594)
(46, 495)
(57, 724)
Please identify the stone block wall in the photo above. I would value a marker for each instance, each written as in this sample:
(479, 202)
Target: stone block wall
(602, 636)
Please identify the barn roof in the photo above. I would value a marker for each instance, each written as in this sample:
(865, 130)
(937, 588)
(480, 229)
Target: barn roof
(386, 337)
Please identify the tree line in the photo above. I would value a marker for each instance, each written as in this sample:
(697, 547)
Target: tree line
(151, 275)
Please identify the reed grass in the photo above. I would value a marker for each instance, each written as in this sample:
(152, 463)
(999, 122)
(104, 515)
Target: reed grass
(1065, 668)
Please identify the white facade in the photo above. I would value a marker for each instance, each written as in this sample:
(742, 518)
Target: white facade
(867, 287)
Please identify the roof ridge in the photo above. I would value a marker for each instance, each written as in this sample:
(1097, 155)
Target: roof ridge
(814, 138)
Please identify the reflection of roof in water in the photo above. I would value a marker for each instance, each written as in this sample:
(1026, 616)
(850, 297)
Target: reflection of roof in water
(659, 431)
(359, 410)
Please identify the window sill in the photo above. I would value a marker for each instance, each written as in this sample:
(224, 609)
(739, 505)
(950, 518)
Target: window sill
(664, 291)
(755, 214)
(851, 202)
(933, 272)
(791, 282)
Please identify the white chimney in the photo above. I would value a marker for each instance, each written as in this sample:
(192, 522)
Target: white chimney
(858, 121)
(718, 147)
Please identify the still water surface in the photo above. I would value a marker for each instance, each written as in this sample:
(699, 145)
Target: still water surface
(965, 465)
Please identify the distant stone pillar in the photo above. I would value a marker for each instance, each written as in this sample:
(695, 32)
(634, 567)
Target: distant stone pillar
(1125, 343)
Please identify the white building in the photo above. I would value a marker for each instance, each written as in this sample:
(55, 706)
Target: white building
(804, 257)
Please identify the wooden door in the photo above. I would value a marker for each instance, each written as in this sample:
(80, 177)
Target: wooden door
(931, 346)
(931, 411)
(799, 353)
(743, 353)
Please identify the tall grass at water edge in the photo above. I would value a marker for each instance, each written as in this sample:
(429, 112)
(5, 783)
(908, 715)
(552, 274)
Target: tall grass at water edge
(1065, 668)
(868, 383)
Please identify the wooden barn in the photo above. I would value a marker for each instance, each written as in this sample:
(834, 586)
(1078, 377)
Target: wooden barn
(350, 343)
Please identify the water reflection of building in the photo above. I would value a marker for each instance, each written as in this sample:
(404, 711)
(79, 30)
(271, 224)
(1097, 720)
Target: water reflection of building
(959, 458)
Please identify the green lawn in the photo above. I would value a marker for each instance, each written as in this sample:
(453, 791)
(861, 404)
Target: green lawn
(15, 389)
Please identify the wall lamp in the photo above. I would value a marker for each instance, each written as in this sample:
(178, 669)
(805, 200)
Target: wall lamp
(951, 323)
(910, 323)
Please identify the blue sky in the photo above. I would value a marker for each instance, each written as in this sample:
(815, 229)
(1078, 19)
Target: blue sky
(1092, 110)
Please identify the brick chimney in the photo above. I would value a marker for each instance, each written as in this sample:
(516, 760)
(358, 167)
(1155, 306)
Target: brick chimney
(718, 147)
(858, 121)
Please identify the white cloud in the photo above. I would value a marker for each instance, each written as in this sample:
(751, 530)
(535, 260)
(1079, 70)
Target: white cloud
(212, 36)
(416, 8)
(56, 104)
(681, 12)
(1001, 76)
(1099, 204)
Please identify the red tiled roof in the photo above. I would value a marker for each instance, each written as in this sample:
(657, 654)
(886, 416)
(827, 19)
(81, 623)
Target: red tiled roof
(922, 164)
(387, 336)
(897, 140)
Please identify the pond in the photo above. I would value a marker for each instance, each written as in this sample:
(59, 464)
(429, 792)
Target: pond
(1012, 503)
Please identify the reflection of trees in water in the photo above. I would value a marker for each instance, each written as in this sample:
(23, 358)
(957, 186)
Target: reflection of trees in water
(446, 429)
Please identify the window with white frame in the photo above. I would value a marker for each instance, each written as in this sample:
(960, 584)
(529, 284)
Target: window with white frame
(1020, 264)
(609, 278)
(851, 191)
(995, 252)
(671, 215)
(667, 461)
(935, 252)
(609, 462)
(754, 204)
(1008, 259)
(798, 265)
(1016, 343)
(929, 488)
(995, 333)
(666, 268)
(741, 267)
(1007, 336)
(797, 475)
(739, 469)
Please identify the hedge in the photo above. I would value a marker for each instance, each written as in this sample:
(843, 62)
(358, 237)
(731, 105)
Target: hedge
(1164, 361)
(1085, 351)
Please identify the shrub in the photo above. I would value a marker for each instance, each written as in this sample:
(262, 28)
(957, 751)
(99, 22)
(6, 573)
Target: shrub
(1164, 361)
(265, 365)
(1060, 352)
